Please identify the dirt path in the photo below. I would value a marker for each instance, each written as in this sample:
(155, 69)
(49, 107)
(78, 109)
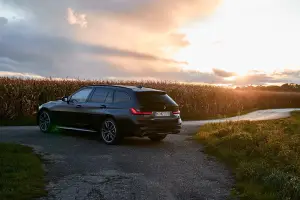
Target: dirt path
(80, 167)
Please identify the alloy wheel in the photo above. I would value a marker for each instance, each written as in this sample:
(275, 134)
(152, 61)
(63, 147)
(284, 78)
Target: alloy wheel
(44, 121)
(109, 131)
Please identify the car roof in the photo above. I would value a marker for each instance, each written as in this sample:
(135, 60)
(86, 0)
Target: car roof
(129, 87)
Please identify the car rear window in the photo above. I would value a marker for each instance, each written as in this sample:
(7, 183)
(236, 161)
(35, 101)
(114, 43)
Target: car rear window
(121, 97)
(146, 98)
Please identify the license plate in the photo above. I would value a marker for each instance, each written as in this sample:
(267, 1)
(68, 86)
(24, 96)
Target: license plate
(162, 114)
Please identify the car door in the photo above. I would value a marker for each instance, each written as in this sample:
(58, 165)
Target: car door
(121, 105)
(97, 107)
(73, 112)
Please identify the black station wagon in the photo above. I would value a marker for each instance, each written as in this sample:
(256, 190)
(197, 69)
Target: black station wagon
(114, 112)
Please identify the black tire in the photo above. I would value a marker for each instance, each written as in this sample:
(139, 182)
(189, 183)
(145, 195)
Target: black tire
(109, 132)
(157, 138)
(45, 121)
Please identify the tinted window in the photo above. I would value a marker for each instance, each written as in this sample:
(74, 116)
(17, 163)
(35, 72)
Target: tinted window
(81, 96)
(109, 98)
(148, 98)
(102, 95)
(121, 97)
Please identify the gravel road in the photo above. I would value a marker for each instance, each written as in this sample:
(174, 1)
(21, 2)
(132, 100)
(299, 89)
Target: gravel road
(80, 167)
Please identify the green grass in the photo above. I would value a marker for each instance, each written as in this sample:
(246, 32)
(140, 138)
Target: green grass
(264, 156)
(21, 173)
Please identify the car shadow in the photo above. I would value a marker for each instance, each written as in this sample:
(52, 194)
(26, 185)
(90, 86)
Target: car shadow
(77, 134)
(127, 141)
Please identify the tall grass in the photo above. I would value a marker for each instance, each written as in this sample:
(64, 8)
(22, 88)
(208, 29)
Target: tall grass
(21, 173)
(20, 98)
(264, 156)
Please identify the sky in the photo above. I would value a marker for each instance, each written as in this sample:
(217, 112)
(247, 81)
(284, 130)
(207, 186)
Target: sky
(223, 42)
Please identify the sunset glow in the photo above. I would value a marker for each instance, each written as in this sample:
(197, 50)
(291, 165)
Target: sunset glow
(236, 40)
(216, 42)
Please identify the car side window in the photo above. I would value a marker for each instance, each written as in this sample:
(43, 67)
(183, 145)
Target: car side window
(81, 96)
(109, 97)
(102, 95)
(121, 97)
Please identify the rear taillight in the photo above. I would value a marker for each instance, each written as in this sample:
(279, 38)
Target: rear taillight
(138, 112)
(176, 112)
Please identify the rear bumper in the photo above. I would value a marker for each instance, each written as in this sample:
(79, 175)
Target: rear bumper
(143, 130)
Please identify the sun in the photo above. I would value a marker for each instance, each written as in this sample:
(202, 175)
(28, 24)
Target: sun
(241, 72)
(206, 62)
(205, 56)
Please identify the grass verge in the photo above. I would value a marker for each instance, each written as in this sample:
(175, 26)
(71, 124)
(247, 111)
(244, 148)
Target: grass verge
(21, 173)
(264, 156)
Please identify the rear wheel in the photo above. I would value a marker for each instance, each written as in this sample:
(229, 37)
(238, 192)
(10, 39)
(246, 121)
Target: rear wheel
(110, 133)
(45, 122)
(157, 138)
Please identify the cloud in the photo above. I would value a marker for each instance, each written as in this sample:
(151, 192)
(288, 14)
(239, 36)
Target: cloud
(167, 14)
(273, 78)
(5, 60)
(146, 25)
(223, 73)
(289, 73)
(61, 57)
(128, 38)
(20, 75)
(255, 79)
(76, 18)
(7, 64)
(107, 33)
(3, 21)
(15, 46)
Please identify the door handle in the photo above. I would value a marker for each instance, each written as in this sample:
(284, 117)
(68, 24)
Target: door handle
(78, 106)
(102, 106)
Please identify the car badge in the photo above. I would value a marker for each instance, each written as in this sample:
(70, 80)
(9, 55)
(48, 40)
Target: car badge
(165, 107)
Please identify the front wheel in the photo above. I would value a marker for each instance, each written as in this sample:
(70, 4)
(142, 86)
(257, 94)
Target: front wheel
(45, 122)
(157, 138)
(110, 133)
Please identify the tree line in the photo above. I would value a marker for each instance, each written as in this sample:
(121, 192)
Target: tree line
(287, 87)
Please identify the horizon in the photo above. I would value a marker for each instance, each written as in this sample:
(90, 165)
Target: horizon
(220, 42)
(29, 77)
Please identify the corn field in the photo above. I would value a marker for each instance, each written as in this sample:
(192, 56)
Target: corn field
(19, 98)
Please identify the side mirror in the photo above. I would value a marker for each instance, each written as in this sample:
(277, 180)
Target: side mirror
(64, 99)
